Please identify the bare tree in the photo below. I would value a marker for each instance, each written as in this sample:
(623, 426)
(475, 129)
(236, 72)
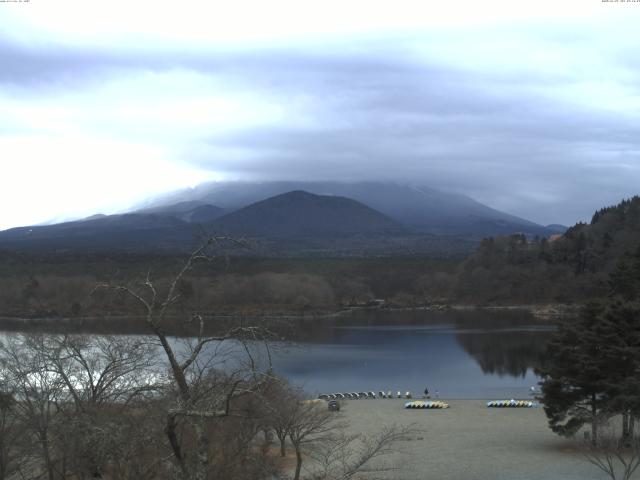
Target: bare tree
(102, 370)
(200, 396)
(11, 434)
(310, 423)
(103, 378)
(319, 439)
(617, 457)
(319, 435)
(280, 403)
(344, 456)
(38, 394)
(75, 395)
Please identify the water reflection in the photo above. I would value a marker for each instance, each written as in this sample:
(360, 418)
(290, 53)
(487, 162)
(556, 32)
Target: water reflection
(463, 354)
(503, 353)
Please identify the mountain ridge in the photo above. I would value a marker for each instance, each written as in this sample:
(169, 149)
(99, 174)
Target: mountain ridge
(412, 221)
(300, 213)
(425, 208)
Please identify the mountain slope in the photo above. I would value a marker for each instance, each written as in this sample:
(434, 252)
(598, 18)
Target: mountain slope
(113, 232)
(297, 223)
(203, 214)
(428, 209)
(556, 228)
(190, 211)
(300, 213)
(332, 218)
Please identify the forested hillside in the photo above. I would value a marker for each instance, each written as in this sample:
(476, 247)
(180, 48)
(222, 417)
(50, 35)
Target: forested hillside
(569, 268)
(512, 270)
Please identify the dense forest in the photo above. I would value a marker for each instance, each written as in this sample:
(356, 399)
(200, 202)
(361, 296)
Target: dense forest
(563, 269)
(52, 285)
(515, 269)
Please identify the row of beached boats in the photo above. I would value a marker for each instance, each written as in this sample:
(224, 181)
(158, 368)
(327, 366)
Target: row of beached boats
(511, 404)
(491, 404)
(426, 404)
(419, 404)
(363, 395)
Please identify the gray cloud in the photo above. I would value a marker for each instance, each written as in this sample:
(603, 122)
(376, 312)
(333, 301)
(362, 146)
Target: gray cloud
(514, 148)
(514, 137)
(26, 66)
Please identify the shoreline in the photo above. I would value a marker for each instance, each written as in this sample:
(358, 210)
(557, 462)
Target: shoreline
(541, 311)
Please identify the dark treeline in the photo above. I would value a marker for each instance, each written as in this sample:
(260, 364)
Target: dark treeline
(504, 270)
(571, 268)
(64, 286)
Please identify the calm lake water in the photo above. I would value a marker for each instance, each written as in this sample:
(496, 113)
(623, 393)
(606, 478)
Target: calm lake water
(464, 354)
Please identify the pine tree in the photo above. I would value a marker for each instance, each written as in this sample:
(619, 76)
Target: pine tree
(619, 328)
(624, 281)
(573, 381)
(592, 370)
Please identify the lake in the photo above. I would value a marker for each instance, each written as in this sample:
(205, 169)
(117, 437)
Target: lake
(462, 354)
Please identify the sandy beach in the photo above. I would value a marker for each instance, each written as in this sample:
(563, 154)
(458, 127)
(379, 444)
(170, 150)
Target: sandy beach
(470, 441)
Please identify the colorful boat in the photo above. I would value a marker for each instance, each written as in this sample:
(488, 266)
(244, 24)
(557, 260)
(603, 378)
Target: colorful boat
(427, 404)
(511, 404)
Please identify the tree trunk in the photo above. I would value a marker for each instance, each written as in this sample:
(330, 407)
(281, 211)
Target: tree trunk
(48, 463)
(298, 463)
(268, 437)
(170, 430)
(178, 372)
(202, 449)
(594, 421)
(283, 447)
(625, 428)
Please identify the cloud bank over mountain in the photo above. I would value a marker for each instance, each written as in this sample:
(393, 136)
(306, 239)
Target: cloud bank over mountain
(535, 114)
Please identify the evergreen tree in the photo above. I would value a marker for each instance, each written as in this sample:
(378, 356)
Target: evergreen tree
(573, 381)
(619, 330)
(624, 281)
(593, 364)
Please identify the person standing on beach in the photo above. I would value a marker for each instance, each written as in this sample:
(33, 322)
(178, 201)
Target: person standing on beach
(426, 393)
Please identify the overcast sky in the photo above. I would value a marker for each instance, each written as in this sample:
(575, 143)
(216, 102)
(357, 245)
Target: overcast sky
(532, 107)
